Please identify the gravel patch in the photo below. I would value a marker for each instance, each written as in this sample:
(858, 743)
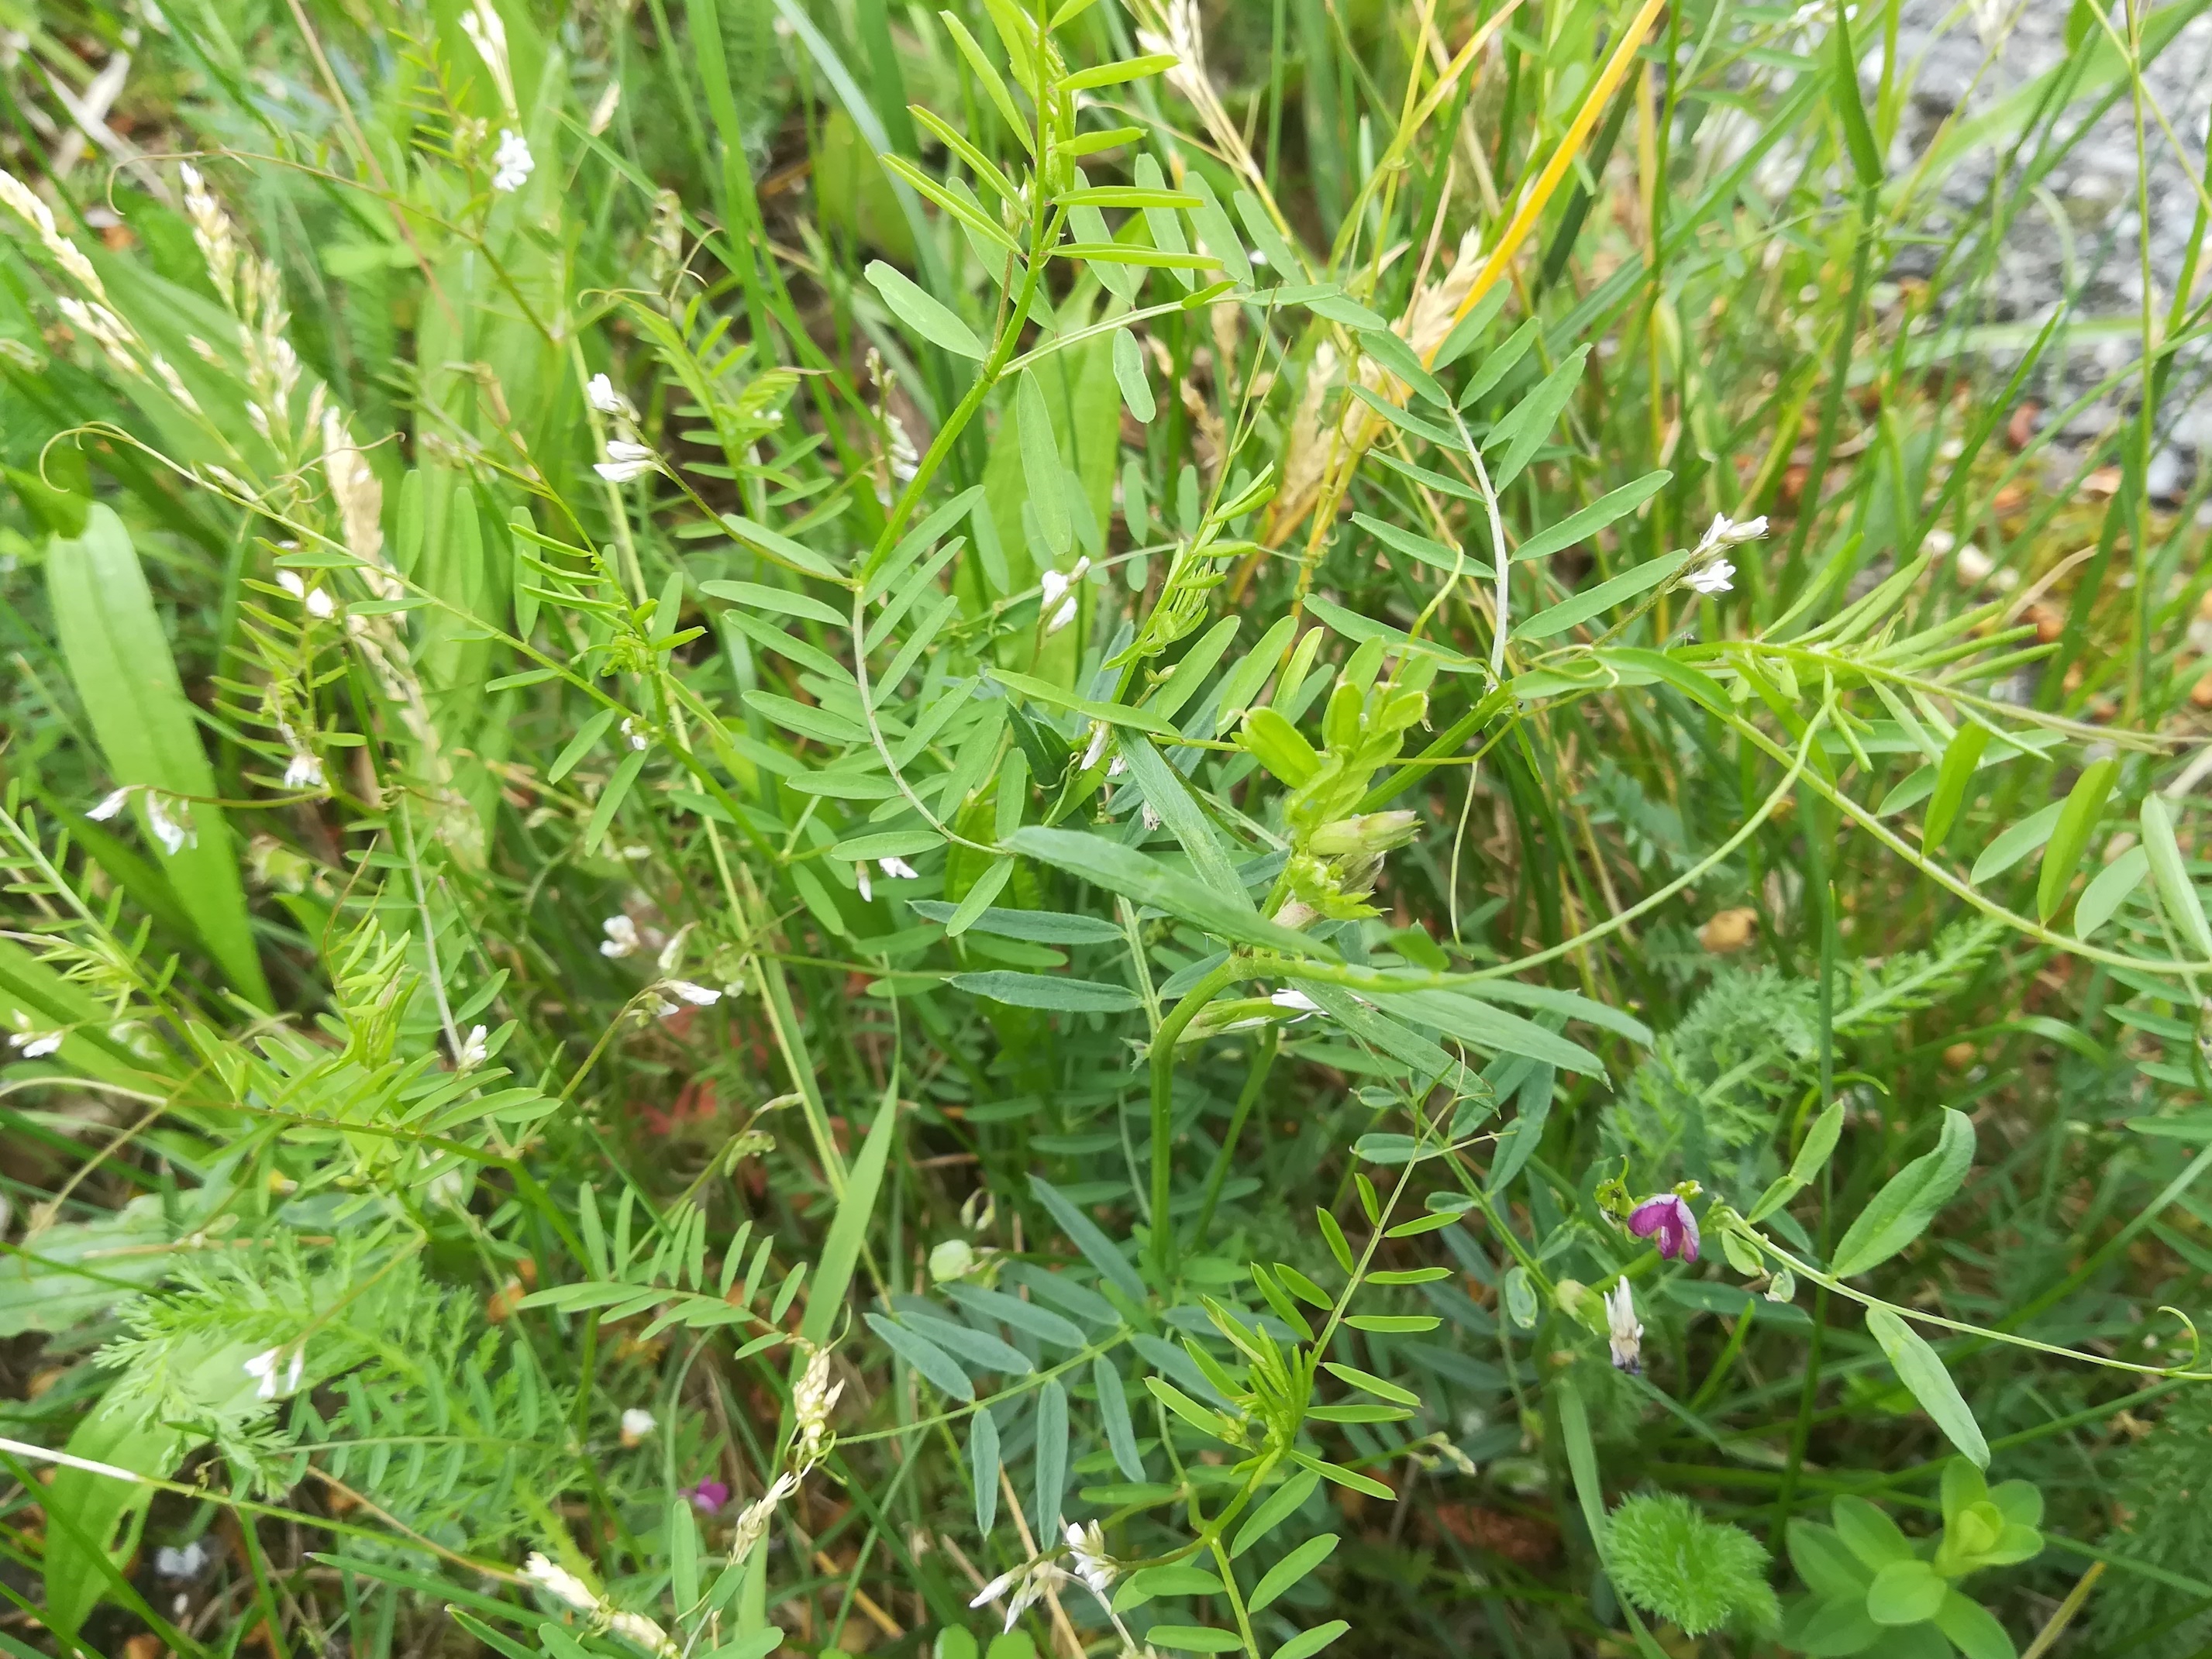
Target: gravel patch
(2082, 234)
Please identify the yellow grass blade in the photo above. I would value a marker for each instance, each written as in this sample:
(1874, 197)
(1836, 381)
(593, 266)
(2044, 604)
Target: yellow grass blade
(1548, 183)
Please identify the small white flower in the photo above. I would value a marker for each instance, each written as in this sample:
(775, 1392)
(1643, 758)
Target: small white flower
(636, 1627)
(636, 1424)
(110, 805)
(622, 939)
(305, 772)
(603, 396)
(173, 835)
(264, 1366)
(860, 880)
(1150, 814)
(1715, 578)
(186, 1563)
(699, 996)
(1709, 573)
(317, 601)
(631, 735)
(1086, 1547)
(898, 869)
(672, 954)
(1028, 1583)
(475, 1048)
(32, 1043)
(1728, 532)
(1101, 735)
(1297, 1001)
(1624, 1331)
(625, 461)
(560, 1583)
(512, 162)
(1057, 596)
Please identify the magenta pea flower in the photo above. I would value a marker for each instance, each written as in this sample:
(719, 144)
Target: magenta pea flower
(709, 1496)
(1665, 1219)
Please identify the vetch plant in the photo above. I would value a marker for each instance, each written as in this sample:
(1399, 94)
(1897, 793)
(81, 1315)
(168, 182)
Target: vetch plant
(1165, 828)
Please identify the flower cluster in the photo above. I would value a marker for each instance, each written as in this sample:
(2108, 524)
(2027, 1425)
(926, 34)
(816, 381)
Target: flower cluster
(627, 458)
(1026, 1585)
(1708, 572)
(811, 1402)
(512, 163)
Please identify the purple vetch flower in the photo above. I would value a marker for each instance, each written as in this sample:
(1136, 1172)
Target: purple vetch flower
(709, 1496)
(1665, 1219)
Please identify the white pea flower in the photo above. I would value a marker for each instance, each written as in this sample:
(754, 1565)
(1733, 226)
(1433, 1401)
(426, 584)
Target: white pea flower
(110, 804)
(672, 954)
(625, 461)
(560, 1583)
(1086, 1547)
(32, 1043)
(512, 162)
(1709, 573)
(622, 939)
(636, 1627)
(603, 396)
(317, 601)
(1715, 578)
(898, 869)
(636, 1424)
(1725, 531)
(631, 735)
(1101, 735)
(305, 771)
(187, 1562)
(1624, 1331)
(1056, 597)
(174, 835)
(1028, 1584)
(699, 996)
(860, 880)
(266, 1365)
(476, 1049)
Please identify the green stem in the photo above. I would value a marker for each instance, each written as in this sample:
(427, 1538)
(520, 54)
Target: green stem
(1163, 1052)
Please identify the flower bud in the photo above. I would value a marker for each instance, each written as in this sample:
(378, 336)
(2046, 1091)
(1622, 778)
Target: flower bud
(953, 1259)
(1371, 833)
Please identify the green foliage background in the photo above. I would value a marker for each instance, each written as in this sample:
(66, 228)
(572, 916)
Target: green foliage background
(828, 823)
